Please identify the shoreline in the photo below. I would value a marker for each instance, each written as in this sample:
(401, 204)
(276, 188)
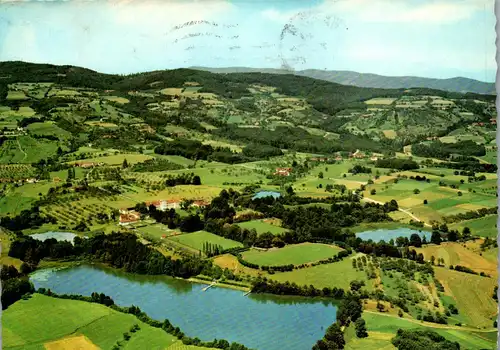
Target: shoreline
(218, 284)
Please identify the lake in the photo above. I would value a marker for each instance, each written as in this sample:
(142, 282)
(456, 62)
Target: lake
(264, 322)
(387, 235)
(263, 194)
(60, 236)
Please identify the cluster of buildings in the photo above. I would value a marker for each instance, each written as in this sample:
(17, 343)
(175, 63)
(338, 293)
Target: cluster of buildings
(88, 164)
(129, 216)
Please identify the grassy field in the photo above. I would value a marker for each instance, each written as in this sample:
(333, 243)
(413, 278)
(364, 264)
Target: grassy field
(338, 274)
(25, 149)
(483, 227)
(196, 240)
(73, 322)
(262, 226)
(382, 328)
(4, 254)
(47, 128)
(472, 294)
(295, 254)
(118, 159)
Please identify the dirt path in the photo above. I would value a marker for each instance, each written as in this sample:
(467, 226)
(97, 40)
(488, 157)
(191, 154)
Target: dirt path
(433, 325)
(401, 210)
(21, 149)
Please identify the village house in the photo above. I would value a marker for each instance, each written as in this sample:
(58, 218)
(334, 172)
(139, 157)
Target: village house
(374, 158)
(173, 204)
(338, 158)
(129, 218)
(358, 154)
(283, 171)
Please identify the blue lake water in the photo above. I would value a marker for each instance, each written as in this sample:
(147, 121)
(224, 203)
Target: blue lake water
(60, 236)
(264, 322)
(263, 194)
(386, 235)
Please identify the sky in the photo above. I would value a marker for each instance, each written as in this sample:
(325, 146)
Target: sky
(428, 38)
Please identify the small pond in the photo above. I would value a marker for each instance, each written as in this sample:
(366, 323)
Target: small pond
(386, 235)
(60, 236)
(263, 194)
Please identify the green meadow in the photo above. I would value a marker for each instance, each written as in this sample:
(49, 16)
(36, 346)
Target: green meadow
(261, 226)
(295, 254)
(23, 328)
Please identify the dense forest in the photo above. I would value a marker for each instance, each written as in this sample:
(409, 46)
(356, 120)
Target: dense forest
(438, 149)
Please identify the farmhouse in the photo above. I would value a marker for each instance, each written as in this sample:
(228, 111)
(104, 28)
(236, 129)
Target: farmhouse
(159, 205)
(283, 171)
(173, 204)
(129, 218)
(358, 155)
(200, 203)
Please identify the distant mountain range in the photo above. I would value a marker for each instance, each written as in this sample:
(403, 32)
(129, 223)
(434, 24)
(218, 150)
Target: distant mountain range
(458, 84)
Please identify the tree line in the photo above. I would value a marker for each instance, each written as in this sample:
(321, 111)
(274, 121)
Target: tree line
(438, 149)
(119, 250)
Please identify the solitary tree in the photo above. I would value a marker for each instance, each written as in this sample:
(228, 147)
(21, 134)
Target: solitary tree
(436, 237)
(124, 164)
(320, 175)
(416, 191)
(415, 240)
(466, 233)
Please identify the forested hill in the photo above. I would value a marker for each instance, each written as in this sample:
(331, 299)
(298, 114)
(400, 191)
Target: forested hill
(324, 96)
(457, 84)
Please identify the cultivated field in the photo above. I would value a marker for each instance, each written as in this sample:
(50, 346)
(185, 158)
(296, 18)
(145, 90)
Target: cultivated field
(457, 254)
(472, 293)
